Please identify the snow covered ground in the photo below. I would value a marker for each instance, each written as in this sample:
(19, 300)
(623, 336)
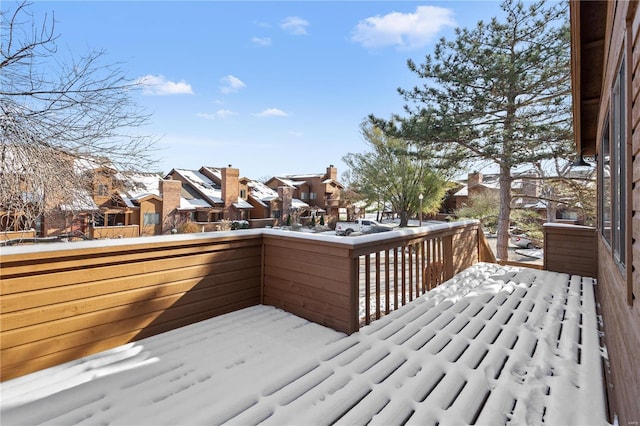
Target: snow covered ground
(493, 345)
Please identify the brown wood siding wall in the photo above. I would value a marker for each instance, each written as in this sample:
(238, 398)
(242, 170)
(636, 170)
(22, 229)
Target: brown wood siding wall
(62, 305)
(312, 280)
(622, 337)
(465, 249)
(571, 250)
(622, 319)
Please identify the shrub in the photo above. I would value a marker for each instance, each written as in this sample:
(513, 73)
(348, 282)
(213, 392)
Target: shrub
(224, 225)
(239, 224)
(188, 228)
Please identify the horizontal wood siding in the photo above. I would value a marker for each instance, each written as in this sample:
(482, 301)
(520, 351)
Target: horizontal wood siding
(11, 235)
(465, 249)
(622, 337)
(61, 305)
(310, 279)
(618, 285)
(572, 250)
(121, 231)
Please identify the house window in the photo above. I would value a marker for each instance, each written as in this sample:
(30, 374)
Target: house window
(151, 219)
(304, 195)
(275, 214)
(103, 190)
(313, 195)
(613, 170)
(605, 185)
(243, 194)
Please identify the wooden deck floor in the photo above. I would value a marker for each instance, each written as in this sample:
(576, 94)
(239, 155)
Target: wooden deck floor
(494, 345)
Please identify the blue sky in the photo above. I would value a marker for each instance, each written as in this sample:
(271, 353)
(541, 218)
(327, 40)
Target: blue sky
(271, 87)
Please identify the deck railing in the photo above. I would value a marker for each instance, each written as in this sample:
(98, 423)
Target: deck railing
(571, 249)
(67, 300)
(344, 282)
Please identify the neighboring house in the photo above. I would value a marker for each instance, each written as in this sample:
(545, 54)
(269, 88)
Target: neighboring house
(527, 192)
(320, 191)
(134, 204)
(524, 189)
(271, 204)
(211, 194)
(605, 50)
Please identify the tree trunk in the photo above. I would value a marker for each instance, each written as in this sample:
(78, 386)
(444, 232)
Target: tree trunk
(404, 218)
(504, 214)
(552, 209)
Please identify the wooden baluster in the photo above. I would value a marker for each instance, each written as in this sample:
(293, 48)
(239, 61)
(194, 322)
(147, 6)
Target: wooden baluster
(404, 272)
(367, 289)
(386, 282)
(377, 285)
(395, 278)
(410, 248)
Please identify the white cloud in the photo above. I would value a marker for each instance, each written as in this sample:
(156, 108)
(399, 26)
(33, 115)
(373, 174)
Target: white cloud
(261, 41)
(221, 113)
(231, 84)
(295, 25)
(159, 85)
(404, 30)
(272, 112)
(224, 113)
(296, 134)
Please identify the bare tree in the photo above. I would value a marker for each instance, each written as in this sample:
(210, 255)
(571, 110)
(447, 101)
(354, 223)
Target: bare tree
(60, 116)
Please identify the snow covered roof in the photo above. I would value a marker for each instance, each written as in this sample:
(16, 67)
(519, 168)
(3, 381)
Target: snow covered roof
(193, 203)
(215, 171)
(330, 181)
(203, 184)
(298, 204)
(82, 201)
(261, 192)
(304, 176)
(462, 192)
(138, 186)
(192, 200)
(494, 345)
(242, 204)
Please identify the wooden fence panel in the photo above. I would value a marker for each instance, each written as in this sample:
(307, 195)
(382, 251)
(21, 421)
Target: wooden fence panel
(571, 249)
(58, 305)
(311, 279)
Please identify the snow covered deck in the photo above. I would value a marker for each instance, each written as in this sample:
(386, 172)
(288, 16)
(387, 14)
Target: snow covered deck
(494, 345)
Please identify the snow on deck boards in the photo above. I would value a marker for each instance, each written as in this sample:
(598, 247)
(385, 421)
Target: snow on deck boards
(493, 345)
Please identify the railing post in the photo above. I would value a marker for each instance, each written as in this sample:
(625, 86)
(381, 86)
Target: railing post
(354, 295)
(447, 257)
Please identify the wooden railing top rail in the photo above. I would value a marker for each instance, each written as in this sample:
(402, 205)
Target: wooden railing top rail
(371, 243)
(54, 250)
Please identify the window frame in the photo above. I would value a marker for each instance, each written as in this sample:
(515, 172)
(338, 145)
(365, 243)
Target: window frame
(155, 221)
(614, 168)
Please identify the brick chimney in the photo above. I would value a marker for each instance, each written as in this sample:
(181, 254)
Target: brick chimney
(332, 172)
(474, 179)
(230, 188)
(170, 193)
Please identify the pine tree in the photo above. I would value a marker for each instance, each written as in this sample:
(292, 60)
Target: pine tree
(497, 94)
